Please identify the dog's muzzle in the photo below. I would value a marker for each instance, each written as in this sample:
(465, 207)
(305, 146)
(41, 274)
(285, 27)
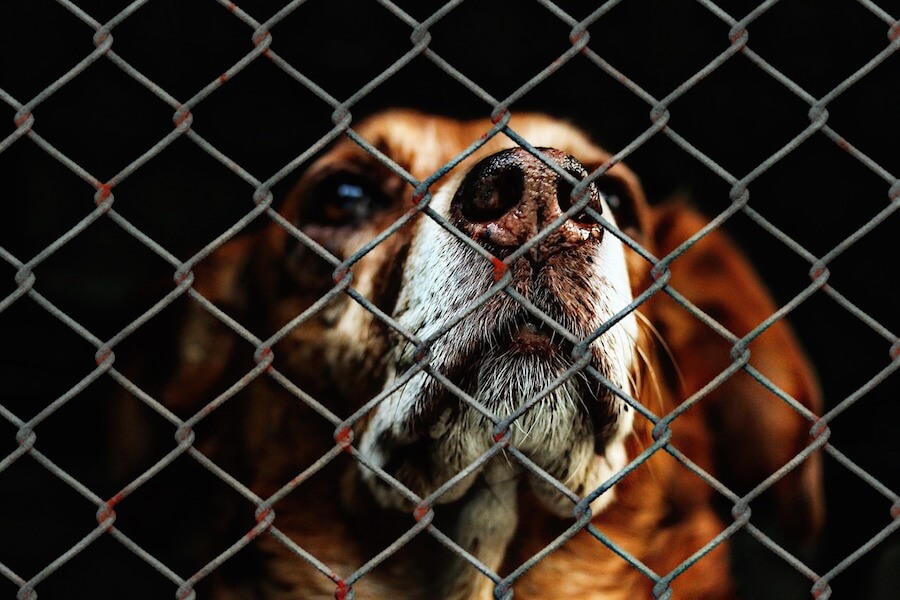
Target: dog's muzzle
(513, 199)
(524, 210)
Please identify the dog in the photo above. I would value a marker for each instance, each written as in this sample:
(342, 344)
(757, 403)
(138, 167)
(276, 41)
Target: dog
(475, 359)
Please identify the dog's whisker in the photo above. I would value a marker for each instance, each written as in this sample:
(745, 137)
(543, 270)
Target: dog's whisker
(657, 394)
(657, 336)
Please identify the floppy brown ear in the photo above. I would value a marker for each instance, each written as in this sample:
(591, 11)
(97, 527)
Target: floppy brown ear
(181, 364)
(752, 431)
(205, 345)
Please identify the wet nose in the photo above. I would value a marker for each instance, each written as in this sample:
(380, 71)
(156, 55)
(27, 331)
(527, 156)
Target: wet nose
(509, 197)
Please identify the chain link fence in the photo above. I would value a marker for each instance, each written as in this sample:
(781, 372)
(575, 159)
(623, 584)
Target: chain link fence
(94, 252)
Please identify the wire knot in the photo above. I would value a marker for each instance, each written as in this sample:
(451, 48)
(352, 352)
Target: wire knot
(818, 115)
(741, 512)
(662, 591)
(103, 39)
(579, 37)
(262, 38)
(264, 356)
(104, 197)
(739, 194)
(819, 274)
(423, 512)
(738, 36)
(26, 437)
(343, 435)
(105, 357)
(661, 432)
(503, 591)
(184, 435)
(342, 276)
(106, 515)
(343, 591)
(740, 352)
(420, 37)
(894, 191)
(500, 115)
(24, 121)
(502, 436)
(342, 118)
(659, 115)
(263, 197)
(820, 430)
(25, 279)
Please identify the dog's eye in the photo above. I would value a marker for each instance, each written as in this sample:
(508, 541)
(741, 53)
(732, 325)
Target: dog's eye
(621, 204)
(344, 199)
(564, 191)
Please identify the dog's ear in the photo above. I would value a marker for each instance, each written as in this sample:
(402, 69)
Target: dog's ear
(181, 363)
(204, 345)
(753, 432)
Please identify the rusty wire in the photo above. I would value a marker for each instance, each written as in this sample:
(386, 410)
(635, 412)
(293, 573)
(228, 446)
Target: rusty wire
(27, 126)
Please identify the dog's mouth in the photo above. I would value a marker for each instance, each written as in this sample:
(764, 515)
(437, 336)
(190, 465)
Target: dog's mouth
(523, 360)
(531, 346)
(533, 336)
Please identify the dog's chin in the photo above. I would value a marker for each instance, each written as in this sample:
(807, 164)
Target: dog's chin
(532, 339)
(573, 430)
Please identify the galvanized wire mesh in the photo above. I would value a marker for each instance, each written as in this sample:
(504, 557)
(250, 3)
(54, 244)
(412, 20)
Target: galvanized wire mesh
(26, 131)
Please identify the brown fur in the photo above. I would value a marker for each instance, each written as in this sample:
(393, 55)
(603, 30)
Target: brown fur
(662, 514)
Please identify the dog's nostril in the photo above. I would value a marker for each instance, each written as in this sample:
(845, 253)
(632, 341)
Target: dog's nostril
(489, 198)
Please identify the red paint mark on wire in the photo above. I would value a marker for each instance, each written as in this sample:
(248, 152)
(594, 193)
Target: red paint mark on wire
(340, 593)
(500, 268)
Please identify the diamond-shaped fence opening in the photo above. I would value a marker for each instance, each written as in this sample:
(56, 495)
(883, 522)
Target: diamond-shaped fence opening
(150, 144)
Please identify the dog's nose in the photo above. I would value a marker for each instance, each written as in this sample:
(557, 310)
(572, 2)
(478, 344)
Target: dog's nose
(509, 197)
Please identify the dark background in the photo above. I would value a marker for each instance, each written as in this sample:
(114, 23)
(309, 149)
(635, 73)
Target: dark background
(738, 115)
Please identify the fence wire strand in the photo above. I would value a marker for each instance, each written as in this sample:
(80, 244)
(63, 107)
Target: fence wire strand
(99, 203)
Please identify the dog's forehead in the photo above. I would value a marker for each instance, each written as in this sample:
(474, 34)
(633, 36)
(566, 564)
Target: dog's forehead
(422, 143)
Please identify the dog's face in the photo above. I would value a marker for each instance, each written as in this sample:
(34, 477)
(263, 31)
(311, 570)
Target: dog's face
(433, 284)
(430, 327)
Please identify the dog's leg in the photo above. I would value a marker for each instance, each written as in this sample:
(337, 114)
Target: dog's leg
(485, 527)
